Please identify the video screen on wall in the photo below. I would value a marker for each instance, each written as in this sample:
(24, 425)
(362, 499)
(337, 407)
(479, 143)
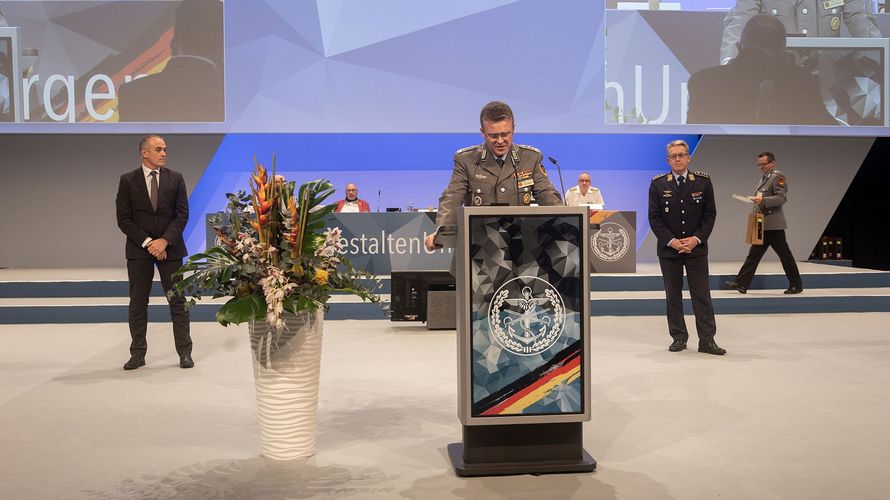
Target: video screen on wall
(566, 66)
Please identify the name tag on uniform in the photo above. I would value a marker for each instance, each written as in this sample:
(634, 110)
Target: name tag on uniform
(526, 183)
(830, 4)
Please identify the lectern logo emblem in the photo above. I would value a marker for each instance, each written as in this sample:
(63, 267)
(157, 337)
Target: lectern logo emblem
(526, 315)
(611, 242)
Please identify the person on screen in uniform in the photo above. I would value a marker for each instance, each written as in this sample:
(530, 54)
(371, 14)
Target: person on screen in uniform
(190, 88)
(760, 86)
(495, 172)
(152, 210)
(352, 203)
(821, 18)
(584, 193)
(5, 89)
(682, 213)
(772, 193)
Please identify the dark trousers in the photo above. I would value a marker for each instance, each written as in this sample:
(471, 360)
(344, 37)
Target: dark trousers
(776, 239)
(140, 273)
(699, 289)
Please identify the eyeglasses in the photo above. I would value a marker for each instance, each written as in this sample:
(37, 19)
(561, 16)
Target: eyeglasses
(678, 156)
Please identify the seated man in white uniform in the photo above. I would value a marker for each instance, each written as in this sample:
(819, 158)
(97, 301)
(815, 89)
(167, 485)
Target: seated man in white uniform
(584, 193)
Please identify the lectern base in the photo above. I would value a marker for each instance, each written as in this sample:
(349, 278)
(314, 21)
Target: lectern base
(499, 450)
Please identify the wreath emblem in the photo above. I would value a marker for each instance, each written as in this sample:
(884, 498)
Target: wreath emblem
(524, 322)
(611, 242)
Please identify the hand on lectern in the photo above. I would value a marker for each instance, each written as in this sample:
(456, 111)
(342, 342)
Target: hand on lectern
(429, 242)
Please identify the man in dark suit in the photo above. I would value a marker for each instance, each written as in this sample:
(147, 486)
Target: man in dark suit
(682, 214)
(772, 193)
(760, 86)
(152, 211)
(190, 88)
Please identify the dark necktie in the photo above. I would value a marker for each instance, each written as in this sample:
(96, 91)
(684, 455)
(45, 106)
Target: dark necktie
(500, 162)
(153, 192)
(682, 181)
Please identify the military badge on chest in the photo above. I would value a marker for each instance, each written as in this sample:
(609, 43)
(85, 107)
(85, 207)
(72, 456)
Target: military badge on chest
(524, 179)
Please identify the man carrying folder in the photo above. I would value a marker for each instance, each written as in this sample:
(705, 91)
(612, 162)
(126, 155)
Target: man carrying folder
(772, 193)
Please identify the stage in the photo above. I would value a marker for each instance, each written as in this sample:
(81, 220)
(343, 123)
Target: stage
(796, 409)
(36, 296)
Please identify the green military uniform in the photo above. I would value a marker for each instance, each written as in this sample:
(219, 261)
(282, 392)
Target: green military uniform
(801, 17)
(478, 179)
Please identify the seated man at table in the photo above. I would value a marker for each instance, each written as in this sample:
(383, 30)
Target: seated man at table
(352, 203)
(584, 193)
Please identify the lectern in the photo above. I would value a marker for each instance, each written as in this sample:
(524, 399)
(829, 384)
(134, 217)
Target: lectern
(523, 330)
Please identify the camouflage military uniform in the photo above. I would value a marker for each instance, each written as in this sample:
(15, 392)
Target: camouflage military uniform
(479, 180)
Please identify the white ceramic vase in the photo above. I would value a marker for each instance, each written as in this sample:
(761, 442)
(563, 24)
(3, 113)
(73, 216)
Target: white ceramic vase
(286, 368)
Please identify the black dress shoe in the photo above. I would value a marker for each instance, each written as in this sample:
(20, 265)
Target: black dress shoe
(677, 346)
(735, 286)
(134, 363)
(185, 361)
(793, 289)
(712, 348)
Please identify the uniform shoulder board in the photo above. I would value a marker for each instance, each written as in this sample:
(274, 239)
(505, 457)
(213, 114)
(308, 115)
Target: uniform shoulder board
(659, 176)
(574, 189)
(530, 148)
(468, 148)
(702, 174)
(778, 172)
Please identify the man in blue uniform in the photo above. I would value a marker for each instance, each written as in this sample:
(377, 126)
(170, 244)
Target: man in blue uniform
(682, 214)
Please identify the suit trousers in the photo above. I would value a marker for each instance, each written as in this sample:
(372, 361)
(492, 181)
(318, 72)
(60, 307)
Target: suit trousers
(141, 273)
(776, 239)
(697, 276)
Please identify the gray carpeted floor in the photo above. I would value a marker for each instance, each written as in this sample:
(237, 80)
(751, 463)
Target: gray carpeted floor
(797, 409)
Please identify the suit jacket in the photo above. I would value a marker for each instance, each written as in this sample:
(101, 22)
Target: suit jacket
(731, 94)
(775, 193)
(138, 221)
(680, 214)
(189, 89)
(478, 180)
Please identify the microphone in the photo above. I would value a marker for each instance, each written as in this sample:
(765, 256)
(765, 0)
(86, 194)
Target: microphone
(378, 200)
(559, 171)
(765, 100)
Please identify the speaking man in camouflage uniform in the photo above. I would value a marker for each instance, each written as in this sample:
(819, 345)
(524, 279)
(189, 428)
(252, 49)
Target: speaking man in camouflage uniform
(495, 172)
(772, 193)
(682, 213)
(800, 17)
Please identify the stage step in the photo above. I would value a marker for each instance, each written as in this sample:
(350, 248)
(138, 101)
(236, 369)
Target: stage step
(100, 296)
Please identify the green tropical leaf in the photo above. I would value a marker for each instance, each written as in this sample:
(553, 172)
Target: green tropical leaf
(241, 310)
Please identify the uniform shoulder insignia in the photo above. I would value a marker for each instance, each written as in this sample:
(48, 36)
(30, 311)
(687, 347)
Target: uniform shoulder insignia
(573, 189)
(702, 174)
(530, 148)
(659, 176)
(778, 172)
(464, 150)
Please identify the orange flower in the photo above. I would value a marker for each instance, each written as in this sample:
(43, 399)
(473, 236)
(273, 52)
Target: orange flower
(321, 277)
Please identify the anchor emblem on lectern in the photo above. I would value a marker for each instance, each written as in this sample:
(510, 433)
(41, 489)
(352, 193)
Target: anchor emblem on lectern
(524, 322)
